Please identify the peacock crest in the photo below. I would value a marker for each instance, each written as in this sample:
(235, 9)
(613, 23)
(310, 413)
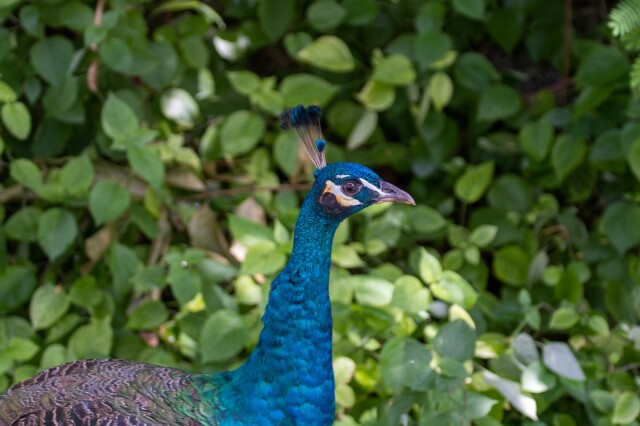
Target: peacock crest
(306, 122)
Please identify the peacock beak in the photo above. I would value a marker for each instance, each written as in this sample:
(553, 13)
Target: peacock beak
(393, 194)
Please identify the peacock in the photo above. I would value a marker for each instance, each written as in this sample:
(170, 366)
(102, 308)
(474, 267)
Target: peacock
(288, 377)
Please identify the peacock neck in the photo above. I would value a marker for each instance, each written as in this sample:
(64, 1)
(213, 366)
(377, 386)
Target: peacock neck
(291, 367)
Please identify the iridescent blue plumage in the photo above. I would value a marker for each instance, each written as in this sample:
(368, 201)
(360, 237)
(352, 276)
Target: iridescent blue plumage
(288, 378)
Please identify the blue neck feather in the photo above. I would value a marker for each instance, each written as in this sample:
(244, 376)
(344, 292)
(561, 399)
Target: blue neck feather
(288, 379)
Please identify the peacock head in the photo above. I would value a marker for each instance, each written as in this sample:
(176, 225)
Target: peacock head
(340, 189)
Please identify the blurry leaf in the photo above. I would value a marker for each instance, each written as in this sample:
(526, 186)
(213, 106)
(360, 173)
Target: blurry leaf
(633, 158)
(510, 390)
(505, 25)
(474, 71)
(48, 304)
(425, 219)
(477, 405)
(429, 267)
(473, 9)
(559, 358)
(325, 15)
(346, 256)
(240, 132)
(511, 265)
(77, 175)
(360, 12)
(483, 235)
(536, 138)
(93, 340)
(395, 70)
(275, 16)
(51, 58)
(474, 182)
(377, 96)
(404, 363)
(23, 224)
(248, 231)
(328, 53)
(453, 288)
(345, 395)
(306, 89)
(621, 223)
(244, 82)
(498, 102)
(7, 94)
(563, 319)
(363, 130)
(601, 65)
(371, 291)
(627, 408)
(223, 335)
(118, 119)
(440, 90)
(146, 163)
(536, 379)
(567, 154)
(432, 46)
(116, 54)
(25, 172)
(525, 349)
(263, 258)
(147, 315)
(20, 349)
(344, 368)
(85, 292)
(285, 152)
(455, 340)
(18, 282)
(178, 105)
(410, 295)
(511, 193)
(57, 230)
(107, 201)
(17, 119)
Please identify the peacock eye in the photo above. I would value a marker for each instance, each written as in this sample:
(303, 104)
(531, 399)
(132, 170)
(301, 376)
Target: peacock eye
(350, 187)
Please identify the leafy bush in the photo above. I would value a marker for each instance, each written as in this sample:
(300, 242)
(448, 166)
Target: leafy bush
(149, 197)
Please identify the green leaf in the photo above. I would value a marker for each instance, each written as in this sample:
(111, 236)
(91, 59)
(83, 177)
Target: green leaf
(285, 152)
(536, 138)
(328, 53)
(77, 175)
(473, 9)
(431, 47)
(18, 282)
(410, 295)
(498, 102)
(371, 291)
(633, 158)
(511, 390)
(474, 71)
(92, 340)
(511, 265)
(453, 288)
(621, 223)
(627, 408)
(107, 201)
(240, 132)
(363, 130)
(57, 230)
(148, 315)
(307, 89)
(376, 95)
(567, 155)
(20, 349)
(511, 193)
(223, 335)
(275, 17)
(559, 358)
(23, 224)
(17, 119)
(455, 340)
(395, 70)
(263, 258)
(244, 82)
(505, 25)
(602, 65)
(404, 363)
(7, 94)
(563, 319)
(145, 162)
(178, 105)
(48, 304)
(483, 235)
(118, 119)
(51, 58)
(440, 90)
(477, 405)
(116, 54)
(474, 182)
(537, 379)
(25, 172)
(325, 15)
(429, 267)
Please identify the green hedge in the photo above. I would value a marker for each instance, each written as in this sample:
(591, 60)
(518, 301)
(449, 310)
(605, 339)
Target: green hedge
(148, 196)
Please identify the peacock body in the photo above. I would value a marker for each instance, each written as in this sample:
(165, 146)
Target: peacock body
(288, 378)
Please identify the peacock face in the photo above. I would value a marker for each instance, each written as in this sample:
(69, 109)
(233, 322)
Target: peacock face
(346, 188)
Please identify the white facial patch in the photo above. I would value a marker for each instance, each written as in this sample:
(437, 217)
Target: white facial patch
(368, 185)
(343, 176)
(343, 199)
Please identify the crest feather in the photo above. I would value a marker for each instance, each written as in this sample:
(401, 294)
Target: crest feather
(306, 122)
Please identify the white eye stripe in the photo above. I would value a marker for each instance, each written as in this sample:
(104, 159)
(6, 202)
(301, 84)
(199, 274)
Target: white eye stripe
(341, 197)
(343, 176)
(370, 186)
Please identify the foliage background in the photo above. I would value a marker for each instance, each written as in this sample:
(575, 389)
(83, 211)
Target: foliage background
(148, 196)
